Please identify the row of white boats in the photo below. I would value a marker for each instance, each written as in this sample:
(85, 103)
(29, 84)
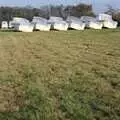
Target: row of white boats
(58, 23)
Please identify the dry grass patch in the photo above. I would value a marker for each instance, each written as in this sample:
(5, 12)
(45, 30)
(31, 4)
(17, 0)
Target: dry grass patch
(69, 75)
(10, 98)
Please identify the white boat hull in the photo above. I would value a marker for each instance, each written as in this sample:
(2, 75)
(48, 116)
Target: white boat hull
(110, 25)
(95, 25)
(43, 27)
(60, 26)
(24, 28)
(77, 26)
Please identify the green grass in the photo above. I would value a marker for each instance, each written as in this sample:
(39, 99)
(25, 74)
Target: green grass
(73, 75)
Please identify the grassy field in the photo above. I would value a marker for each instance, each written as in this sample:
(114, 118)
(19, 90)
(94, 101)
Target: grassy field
(73, 75)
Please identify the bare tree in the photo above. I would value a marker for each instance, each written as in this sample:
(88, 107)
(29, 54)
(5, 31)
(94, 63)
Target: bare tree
(80, 10)
(114, 12)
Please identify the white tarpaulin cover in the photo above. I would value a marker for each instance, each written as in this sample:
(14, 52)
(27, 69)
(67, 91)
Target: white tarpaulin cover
(55, 19)
(4, 24)
(107, 21)
(92, 22)
(75, 23)
(61, 25)
(18, 19)
(24, 27)
(22, 24)
(58, 23)
(95, 25)
(110, 24)
(104, 17)
(39, 19)
(11, 24)
(87, 19)
(41, 24)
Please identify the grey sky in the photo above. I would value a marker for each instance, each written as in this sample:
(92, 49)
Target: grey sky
(99, 5)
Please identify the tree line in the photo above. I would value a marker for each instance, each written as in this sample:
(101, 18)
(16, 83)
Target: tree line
(28, 12)
(7, 13)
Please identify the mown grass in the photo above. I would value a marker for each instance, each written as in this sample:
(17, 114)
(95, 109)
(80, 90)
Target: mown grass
(73, 75)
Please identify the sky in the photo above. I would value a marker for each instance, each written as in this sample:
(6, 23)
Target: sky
(98, 5)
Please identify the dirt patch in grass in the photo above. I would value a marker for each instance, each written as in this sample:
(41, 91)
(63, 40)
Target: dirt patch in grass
(10, 98)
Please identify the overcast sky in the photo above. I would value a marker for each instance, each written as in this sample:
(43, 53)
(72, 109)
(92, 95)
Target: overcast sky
(99, 5)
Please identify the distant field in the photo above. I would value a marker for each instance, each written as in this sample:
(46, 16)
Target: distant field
(73, 75)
